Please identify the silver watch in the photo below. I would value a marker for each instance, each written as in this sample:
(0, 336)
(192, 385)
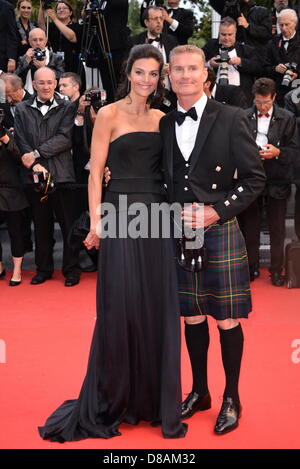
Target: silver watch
(36, 154)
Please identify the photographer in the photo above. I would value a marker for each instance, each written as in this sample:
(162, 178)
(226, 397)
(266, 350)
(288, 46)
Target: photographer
(235, 63)
(43, 129)
(283, 54)
(38, 56)
(275, 132)
(178, 22)
(64, 34)
(254, 22)
(12, 202)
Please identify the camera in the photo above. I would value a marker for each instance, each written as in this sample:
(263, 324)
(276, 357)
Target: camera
(223, 59)
(232, 8)
(97, 98)
(47, 4)
(96, 5)
(291, 67)
(39, 54)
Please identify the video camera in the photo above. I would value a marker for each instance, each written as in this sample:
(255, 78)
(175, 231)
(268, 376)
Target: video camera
(291, 67)
(232, 8)
(97, 99)
(39, 54)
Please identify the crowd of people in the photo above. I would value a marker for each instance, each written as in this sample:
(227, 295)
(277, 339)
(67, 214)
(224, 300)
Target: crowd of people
(225, 159)
(46, 63)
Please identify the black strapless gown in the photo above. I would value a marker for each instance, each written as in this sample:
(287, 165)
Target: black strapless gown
(134, 364)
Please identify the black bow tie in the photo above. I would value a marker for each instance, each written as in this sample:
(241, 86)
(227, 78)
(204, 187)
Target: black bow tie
(46, 103)
(180, 116)
(170, 10)
(150, 40)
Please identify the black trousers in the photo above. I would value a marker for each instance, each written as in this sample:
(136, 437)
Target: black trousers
(62, 204)
(250, 221)
(15, 224)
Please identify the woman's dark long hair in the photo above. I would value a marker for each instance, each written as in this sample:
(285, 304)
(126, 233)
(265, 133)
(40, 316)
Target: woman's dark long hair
(142, 51)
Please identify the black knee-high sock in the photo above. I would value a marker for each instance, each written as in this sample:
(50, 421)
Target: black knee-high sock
(197, 341)
(232, 341)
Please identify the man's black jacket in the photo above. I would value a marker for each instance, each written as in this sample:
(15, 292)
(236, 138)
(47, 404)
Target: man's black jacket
(282, 134)
(250, 65)
(51, 135)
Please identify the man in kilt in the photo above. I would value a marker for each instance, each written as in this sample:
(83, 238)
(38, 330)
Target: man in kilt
(211, 163)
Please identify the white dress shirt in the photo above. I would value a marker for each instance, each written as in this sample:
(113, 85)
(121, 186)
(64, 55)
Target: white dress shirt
(186, 133)
(263, 124)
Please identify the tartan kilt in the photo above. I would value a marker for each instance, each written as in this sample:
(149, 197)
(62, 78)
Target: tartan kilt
(222, 289)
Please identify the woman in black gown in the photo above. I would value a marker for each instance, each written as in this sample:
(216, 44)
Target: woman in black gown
(134, 365)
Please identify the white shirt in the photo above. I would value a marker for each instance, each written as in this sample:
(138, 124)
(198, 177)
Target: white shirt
(186, 133)
(233, 73)
(45, 109)
(263, 124)
(174, 25)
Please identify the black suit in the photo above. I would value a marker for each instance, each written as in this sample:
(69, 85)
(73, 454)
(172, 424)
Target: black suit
(8, 34)
(184, 17)
(277, 54)
(250, 65)
(223, 140)
(282, 133)
(167, 41)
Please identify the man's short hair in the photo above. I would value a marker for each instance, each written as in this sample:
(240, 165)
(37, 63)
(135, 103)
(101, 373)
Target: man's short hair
(227, 21)
(145, 15)
(73, 77)
(264, 87)
(187, 49)
(288, 12)
(14, 80)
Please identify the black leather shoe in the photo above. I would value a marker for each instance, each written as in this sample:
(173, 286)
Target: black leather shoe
(2, 275)
(14, 283)
(228, 418)
(193, 403)
(40, 278)
(277, 279)
(71, 280)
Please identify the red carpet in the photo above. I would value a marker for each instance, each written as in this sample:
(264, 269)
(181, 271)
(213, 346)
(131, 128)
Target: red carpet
(46, 332)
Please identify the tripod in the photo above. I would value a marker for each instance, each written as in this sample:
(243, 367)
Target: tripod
(95, 33)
